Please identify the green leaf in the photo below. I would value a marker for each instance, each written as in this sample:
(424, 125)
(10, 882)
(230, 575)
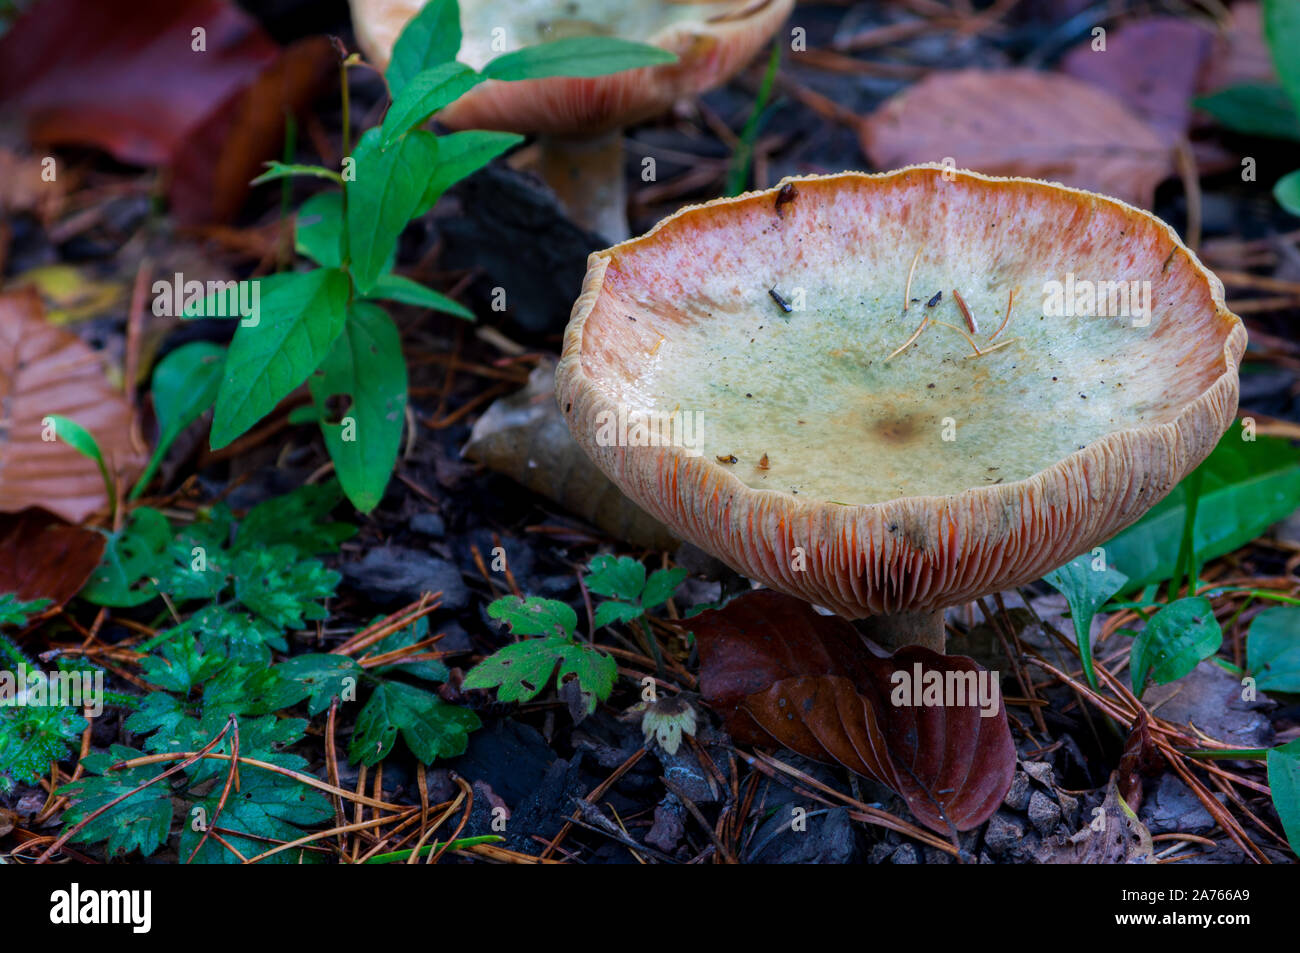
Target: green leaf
(1253, 110)
(392, 287)
(1282, 30)
(661, 585)
(425, 94)
(185, 384)
(609, 612)
(366, 369)
(460, 843)
(141, 822)
(282, 589)
(594, 671)
(431, 728)
(1287, 192)
(1273, 649)
(267, 808)
(1247, 486)
(299, 518)
(535, 616)
(232, 297)
(1176, 639)
(227, 633)
(384, 197)
(32, 736)
(318, 229)
(518, 671)
(14, 612)
(298, 323)
(622, 577)
(133, 557)
(461, 154)
(282, 170)
(1284, 781)
(431, 37)
(1087, 590)
(431, 670)
(576, 56)
(319, 678)
(78, 438)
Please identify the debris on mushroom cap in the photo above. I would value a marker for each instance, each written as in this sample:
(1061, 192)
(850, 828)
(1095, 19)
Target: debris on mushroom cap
(886, 479)
(712, 42)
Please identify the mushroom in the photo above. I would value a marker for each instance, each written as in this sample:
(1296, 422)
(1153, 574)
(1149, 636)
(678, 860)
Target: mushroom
(900, 480)
(579, 120)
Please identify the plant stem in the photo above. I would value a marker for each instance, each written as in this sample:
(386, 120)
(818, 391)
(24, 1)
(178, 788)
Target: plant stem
(893, 631)
(587, 177)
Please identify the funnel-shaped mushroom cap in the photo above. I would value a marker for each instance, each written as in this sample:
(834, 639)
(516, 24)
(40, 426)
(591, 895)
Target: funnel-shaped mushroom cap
(807, 458)
(712, 42)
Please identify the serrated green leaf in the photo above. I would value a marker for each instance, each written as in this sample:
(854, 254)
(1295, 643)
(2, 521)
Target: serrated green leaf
(430, 727)
(622, 577)
(384, 196)
(133, 556)
(282, 588)
(431, 37)
(227, 633)
(661, 585)
(1273, 649)
(1253, 109)
(366, 369)
(613, 611)
(1174, 642)
(318, 678)
(1284, 781)
(1246, 487)
(318, 229)
(14, 612)
(535, 616)
(1087, 590)
(576, 56)
(595, 672)
(268, 807)
(32, 736)
(426, 93)
(185, 384)
(461, 154)
(297, 325)
(141, 822)
(392, 287)
(299, 519)
(518, 671)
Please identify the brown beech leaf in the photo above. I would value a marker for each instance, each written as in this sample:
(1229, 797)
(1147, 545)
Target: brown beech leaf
(1152, 65)
(45, 370)
(42, 557)
(127, 78)
(1021, 122)
(780, 673)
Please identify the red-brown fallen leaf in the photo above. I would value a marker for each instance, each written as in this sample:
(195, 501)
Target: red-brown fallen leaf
(42, 557)
(45, 370)
(1240, 52)
(779, 673)
(1152, 65)
(125, 77)
(1021, 122)
(1141, 758)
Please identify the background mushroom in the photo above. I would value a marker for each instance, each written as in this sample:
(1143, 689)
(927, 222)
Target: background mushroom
(888, 481)
(579, 120)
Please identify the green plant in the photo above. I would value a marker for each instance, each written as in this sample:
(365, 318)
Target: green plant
(1269, 110)
(324, 325)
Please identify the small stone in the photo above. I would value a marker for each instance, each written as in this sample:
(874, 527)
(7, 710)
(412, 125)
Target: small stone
(935, 856)
(905, 854)
(1018, 794)
(1002, 833)
(1069, 808)
(1044, 813)
(394, 574)
(1040, 771)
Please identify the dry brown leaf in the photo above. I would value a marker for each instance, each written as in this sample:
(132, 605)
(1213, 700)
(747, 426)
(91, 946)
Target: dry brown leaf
(43, 371)
(1021, 122)
(42, 557)
(524, 436)
(1113, 835)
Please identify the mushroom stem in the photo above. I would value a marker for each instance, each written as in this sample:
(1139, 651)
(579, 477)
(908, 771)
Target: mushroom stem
(587, 176)
(893, 631)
